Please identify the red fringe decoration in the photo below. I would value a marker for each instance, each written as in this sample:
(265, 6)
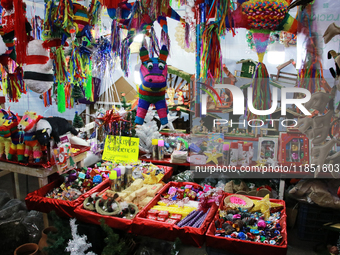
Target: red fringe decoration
(111, 3)
(20, 31)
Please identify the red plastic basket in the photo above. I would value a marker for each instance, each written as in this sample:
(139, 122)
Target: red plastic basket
(188, 235)
(36, 200)
(112, 221)
(248, 247)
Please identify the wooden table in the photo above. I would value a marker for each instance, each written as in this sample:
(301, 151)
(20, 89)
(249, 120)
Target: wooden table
(41, 173)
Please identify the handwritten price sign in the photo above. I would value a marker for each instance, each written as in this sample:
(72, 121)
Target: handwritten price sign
(121, 149)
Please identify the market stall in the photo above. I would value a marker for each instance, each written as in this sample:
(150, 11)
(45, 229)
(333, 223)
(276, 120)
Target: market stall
(210, 123)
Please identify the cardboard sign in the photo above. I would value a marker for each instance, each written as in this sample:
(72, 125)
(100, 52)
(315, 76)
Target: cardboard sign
(121, 149)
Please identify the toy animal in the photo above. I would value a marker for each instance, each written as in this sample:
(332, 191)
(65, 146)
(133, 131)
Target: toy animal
(27, 127)
(53, 127)
(10, 134)
(5, 142)
(152, 90)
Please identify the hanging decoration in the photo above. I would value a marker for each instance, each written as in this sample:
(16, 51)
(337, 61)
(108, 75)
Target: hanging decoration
(211, 56)
(152, 90)
(310, 76)
(139, 19)
(38, 73)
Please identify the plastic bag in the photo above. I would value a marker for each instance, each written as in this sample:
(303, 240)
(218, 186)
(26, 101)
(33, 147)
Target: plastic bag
(186, 176)
(10, 208)
(34, 225)
(4, 198)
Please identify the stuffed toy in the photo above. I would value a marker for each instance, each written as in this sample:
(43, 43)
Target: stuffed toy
(27, 127)
(153, 73)
(5, 142)
(10, 133)
(38, 73)
(53, 127)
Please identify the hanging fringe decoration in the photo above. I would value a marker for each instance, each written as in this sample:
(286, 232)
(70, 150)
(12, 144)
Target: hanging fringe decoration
(261, 92)
(61, 77)
(224, 9)
(310, 76)
(65, 15)
(211, 57)
(187, 35)
(154, 45)
(20, 31)
(94, 11)
(61, 98)
(115, 38)
(15, 85)
(165, 39)
(109, 4)
(60, 65)
(48, 98)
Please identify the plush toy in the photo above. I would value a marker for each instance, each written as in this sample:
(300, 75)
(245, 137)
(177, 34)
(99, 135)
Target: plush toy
(152, 90)
(9, 131)
(38, 73)
(27, 127)
(53, 127)
(5, 142)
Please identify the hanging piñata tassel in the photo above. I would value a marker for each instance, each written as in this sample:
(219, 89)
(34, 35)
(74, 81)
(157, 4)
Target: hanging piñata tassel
(89, 87)
(187, 35)
(115, 38)
(61, 98)
(261, 96)
(211, 56)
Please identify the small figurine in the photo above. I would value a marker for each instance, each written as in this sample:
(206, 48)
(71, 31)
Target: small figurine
(171, 95)
(180, 97)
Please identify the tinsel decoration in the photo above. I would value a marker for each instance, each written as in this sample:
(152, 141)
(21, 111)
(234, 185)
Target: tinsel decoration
(211, 56)
(261, 92)
(20, 31)
(78, 245)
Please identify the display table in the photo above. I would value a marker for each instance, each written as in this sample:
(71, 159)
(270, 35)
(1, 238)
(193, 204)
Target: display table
(39, 172)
